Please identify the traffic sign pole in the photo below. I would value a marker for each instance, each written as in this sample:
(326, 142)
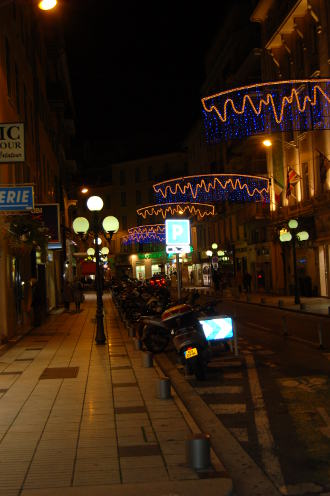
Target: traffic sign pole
(178, 275)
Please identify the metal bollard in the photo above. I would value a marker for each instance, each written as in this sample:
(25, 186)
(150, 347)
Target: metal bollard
(198, 451)
(280, 303)
(320, 333)
(302, 306)
(131, 331)
(263, 300)
(284, 326)
(147, 361)
(248, 298)
(137, 344)
(163, 388)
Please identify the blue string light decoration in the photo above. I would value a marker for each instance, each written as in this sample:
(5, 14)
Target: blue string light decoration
(297, 105)
(152, 233)
(213, 188)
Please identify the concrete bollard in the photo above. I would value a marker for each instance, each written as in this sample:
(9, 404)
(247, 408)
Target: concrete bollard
(284, 326)
(280, 303)
(163, 388)
(147, 361)
(137, 344)
(320, 333)
(198, 451)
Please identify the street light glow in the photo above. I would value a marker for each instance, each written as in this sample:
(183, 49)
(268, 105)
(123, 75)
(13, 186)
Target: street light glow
(293, 224)
(267, 143)
(214, 246)
(209, 253)
(94, 203)
(47, 4)
(80, 225)
(84, 190)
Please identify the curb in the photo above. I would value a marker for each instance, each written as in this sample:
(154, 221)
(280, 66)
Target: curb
(247, 477)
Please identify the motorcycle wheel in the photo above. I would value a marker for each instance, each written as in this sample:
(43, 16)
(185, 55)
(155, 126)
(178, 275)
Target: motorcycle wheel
(155, 340)
(196, 367)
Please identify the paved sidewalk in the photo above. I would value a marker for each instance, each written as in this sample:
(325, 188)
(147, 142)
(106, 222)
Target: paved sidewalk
(81, 419)
(312, 305)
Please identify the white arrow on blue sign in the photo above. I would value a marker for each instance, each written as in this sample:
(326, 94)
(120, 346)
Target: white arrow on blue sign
(177, 232)
(16, 198)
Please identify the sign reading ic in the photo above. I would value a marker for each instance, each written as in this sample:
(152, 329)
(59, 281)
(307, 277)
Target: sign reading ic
(177, 232)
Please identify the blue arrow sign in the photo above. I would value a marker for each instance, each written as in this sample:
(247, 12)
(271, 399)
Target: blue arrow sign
(16, 198)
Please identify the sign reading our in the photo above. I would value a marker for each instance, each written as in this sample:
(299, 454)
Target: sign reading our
(16, 198)
(12, 147)
(177, 232)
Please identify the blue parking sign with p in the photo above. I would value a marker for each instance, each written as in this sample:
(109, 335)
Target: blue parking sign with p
(177, 231)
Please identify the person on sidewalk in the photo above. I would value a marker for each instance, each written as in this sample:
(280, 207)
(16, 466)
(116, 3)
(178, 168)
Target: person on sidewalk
(247, 282)
(78, 296)
(67, 295)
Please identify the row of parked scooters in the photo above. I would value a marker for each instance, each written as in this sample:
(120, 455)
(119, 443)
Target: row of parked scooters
(163, 323)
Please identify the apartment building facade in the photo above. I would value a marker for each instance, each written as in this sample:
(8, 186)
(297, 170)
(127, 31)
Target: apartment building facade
(34, 91)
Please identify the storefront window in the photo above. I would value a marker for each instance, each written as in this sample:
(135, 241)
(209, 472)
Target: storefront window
(140, 272)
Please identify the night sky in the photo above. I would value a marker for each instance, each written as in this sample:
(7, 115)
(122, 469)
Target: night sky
(137, 69)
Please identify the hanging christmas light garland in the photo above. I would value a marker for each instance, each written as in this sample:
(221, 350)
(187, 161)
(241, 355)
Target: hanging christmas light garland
(173, 208)
(153, 233)
(279, 106)
(213, 188)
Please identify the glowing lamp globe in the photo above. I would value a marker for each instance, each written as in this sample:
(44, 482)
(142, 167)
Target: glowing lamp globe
(267, 143)
(285, 237)
(91, 252)
(293, 224)
(99, 241)
(214, 246)
(94, 203)
(303, 236)
(110, 224)
(47, 4)
(80, 225)
(209, 253)
(105, 250)
(220, 253)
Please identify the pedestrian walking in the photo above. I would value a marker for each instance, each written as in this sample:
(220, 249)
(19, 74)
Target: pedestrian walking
(239, 281)
(67, 295)
(78, 295)
(247, 282)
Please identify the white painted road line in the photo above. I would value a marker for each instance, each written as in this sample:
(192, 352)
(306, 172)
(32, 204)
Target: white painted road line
(251, 324)
(229, 408)
(219, 390)
(241, 434)
(265, 437)
(232, 375)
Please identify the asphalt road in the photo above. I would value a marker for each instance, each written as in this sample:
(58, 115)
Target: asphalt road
(274, 396)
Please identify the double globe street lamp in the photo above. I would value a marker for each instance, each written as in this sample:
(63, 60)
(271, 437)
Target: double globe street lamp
(292, 234)
(109, 225)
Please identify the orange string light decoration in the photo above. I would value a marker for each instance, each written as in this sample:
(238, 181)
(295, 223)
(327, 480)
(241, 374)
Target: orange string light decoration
(200, 209)
(273, 106)
(253, 186)
(269, 100)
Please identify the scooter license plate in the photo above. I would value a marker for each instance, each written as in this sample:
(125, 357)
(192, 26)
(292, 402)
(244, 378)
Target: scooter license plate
(190, 353)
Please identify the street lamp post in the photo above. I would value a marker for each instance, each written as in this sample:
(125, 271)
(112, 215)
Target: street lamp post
(292, 235)
(109, 225)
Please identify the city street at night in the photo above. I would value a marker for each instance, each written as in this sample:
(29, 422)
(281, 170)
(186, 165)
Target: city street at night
(164, 248)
